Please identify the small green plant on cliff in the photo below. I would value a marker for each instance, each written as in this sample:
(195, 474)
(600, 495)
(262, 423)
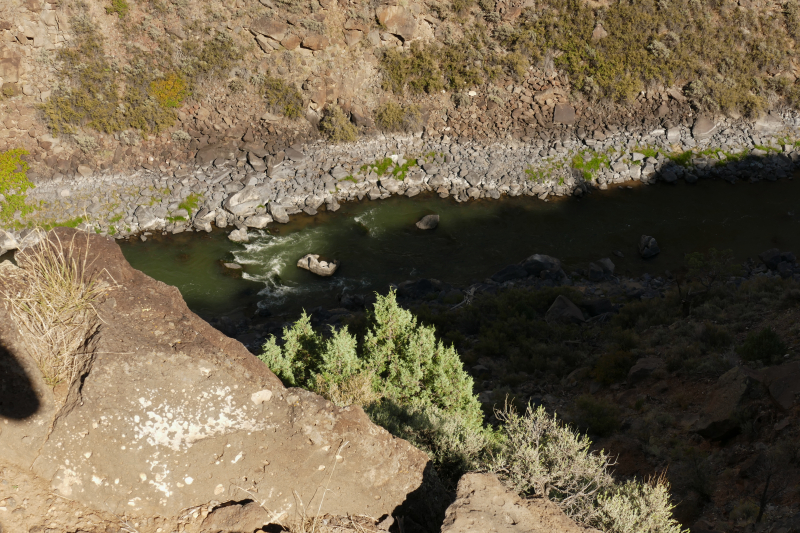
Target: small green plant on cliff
(215, 57)
(282, 98)
(765, 346)
(170, 91)
(336, 126)
(589, 167)
(393, 117)
(190, 203)
(13, 184)
(51, 301)
(120, 7)
(92, 96)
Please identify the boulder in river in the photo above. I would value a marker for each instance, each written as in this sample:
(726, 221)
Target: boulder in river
(538, 263)
(239, 235)
(428, 222)
(278, 213)
(312, 263)
(648, 247)
(563, 311)
(511, 272)
(257, 221)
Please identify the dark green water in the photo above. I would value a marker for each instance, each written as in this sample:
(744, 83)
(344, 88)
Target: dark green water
(377, 242)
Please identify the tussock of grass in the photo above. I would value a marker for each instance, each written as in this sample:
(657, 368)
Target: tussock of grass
(51, 300)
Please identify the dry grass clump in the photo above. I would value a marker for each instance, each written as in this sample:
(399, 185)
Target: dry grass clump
(51, 301)
(336, 524)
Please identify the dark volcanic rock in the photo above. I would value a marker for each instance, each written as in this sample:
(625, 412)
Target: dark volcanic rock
(428, 222)
(648, 247)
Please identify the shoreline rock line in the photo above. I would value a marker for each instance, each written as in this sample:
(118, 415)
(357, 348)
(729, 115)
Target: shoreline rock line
(223, 188)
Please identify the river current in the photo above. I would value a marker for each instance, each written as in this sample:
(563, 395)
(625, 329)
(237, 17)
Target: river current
(377, 243)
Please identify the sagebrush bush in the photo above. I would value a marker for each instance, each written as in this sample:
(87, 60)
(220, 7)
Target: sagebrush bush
(539, 456)
(393, 117)
(336, 126)
(765, 346)
(282, 98)
(635, 507)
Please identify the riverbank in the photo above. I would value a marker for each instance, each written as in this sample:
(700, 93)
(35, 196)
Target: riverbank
(241, 185)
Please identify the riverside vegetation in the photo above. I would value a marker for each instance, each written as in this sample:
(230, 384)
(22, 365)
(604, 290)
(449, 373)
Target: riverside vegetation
(543, 385)
(416, 387)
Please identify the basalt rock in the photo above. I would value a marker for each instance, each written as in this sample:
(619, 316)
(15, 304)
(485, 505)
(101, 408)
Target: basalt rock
(484, 504)
(428, 222)
(169, 415)
(648, 247)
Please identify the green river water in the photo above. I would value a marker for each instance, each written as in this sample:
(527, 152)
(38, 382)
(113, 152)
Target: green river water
(377, 242)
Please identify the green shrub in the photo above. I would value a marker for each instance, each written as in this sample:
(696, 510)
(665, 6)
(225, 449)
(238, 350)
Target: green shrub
(613, 367)
(214, 58)
(454, 444)
(637, 508)
(416, 388)
(598, 417)
(336, 126)
(765, 346)
(715, 337)
(92, 97)
(282, 98)
(190, 203)
(13, 184)
(9, 90)
(170, 91)
(120, 7)
(392, 117)
(403, 359)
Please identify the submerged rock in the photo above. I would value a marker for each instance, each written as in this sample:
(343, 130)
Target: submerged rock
(239, 235)
(312, 263)
(428, 222)
(648, 247)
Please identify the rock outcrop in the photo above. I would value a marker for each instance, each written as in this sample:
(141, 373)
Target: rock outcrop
(484, 504)
(169, 416)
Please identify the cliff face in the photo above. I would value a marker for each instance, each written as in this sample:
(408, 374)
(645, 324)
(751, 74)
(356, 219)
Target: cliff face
(169, 415)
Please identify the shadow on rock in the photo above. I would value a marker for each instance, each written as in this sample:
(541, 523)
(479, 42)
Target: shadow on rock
(18, 399)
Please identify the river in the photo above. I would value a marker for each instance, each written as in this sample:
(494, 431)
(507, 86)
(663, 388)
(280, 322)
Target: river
(377, 242)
